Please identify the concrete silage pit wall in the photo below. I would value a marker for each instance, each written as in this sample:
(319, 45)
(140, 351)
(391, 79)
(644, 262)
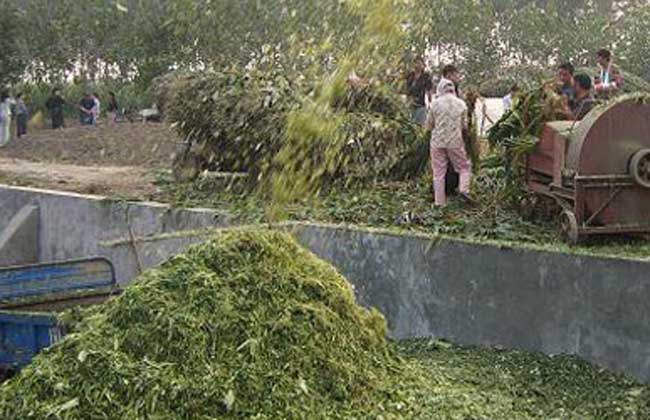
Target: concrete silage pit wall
(46, 226)
(484, 295)
(471, 294)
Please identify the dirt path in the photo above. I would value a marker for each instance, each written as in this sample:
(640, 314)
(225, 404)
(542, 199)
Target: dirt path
(115, 181)
(126, 144)
(115, 161)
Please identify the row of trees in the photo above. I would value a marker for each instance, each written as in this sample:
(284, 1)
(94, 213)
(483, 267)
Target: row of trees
(140, 39)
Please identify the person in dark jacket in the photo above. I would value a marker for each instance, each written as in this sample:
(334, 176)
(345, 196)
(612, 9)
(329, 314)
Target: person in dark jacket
(54, 105)
(22, 116)
(584, 99)
(112, 109)
(87, 109)
(419, 85)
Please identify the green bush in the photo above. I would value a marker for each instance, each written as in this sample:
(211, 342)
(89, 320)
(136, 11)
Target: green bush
(235, 118)
(238, 118)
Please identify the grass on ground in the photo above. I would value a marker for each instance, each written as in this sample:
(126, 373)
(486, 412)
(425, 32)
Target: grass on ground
(406, 206)
(473, 384)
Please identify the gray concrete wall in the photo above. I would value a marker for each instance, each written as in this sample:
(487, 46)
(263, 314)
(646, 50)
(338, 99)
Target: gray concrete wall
(145, 253)
(19, 238)
(596, 308)
(481, 295)
(471, 294)
(73, 225)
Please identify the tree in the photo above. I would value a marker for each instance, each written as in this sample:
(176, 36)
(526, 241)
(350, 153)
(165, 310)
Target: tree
(634, 47)
(13, 62)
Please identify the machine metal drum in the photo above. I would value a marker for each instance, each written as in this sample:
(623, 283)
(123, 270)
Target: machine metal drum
(598, 169)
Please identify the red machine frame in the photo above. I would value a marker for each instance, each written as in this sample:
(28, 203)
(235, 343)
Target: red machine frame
(598, 170)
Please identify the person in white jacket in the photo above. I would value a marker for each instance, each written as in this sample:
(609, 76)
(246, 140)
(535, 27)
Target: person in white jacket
(5, 118)
(446, 118)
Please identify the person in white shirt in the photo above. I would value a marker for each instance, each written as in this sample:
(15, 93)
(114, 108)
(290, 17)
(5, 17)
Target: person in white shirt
(509, 98)
(5, 118)
(447, 118)
(96, 111)
(610, 78)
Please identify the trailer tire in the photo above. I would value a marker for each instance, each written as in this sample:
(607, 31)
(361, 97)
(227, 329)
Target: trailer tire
(640, 167)
(569, 227)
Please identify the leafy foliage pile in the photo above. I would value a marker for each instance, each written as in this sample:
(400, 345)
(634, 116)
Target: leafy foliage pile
(238, 120)
(235, 119)
(248, 325)
(518, 130)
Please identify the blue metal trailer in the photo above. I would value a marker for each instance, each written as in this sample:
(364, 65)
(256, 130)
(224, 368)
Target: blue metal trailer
(31, 295)
(23, 335)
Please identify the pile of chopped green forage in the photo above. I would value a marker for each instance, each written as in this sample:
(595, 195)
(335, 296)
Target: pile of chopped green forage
(247, 325)
(251, 326)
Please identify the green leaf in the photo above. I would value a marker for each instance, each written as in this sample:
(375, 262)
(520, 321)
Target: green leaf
(229, 399)
(121, 8)
(67, 406)
(82, 356)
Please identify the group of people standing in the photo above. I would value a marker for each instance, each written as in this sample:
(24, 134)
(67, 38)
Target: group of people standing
(89, 108)
(446, 114)
(12, 110)
(581, 92)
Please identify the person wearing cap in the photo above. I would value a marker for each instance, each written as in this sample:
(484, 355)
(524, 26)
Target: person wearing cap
(584, 99)
(609, 79)
(447, 117)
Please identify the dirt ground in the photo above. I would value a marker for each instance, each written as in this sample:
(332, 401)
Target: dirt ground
(120, 160)
(129, 182)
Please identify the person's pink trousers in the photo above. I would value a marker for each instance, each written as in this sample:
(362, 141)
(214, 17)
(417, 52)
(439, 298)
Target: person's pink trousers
(439, 160)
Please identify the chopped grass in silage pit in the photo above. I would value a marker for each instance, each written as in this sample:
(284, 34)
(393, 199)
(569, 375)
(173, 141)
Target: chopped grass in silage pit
(250, 325)
(246, 325)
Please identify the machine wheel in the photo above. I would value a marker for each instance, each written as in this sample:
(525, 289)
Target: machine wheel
(569, 227)
(640, 167)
